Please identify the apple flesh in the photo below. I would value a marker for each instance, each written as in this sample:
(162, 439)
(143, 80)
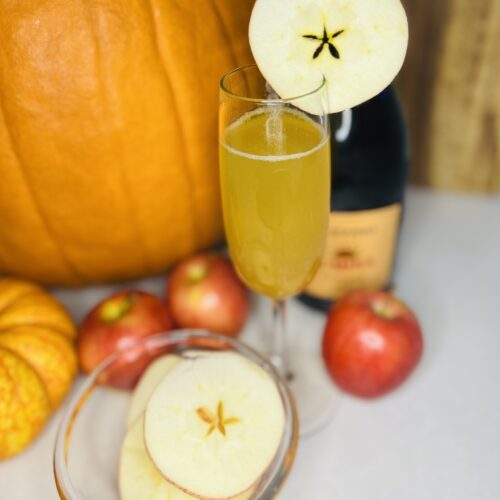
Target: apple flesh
(151, 377)
(214, 424)
(371, 344)
(118, 324)
(204, 291)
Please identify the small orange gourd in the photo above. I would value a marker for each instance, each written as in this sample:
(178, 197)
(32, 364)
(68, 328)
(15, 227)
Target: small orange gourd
(37, 361)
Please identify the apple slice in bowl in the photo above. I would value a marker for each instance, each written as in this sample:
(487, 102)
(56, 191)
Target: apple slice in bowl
(93, 430)
(214, 424)
(138, 477)
(150, 379)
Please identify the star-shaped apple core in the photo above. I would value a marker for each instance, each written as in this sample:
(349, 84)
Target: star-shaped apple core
(325, 39)
(216, 421)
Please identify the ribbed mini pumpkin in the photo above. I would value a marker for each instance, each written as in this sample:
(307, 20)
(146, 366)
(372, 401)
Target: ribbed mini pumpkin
(37, 361)
(108, 133)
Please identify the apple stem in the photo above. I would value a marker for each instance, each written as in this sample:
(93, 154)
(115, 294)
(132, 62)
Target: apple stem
(383, 308)
(197, 273)
(115, 309)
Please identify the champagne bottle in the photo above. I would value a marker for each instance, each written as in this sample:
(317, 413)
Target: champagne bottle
(369, 173)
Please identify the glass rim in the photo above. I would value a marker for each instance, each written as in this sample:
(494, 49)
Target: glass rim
(261, 100)
(279, 466)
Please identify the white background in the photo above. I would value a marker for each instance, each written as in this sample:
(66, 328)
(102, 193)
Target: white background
(438, 436)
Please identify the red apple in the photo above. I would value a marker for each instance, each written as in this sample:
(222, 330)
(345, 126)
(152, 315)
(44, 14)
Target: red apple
(118, 323)
(204, 292)
(372, 342)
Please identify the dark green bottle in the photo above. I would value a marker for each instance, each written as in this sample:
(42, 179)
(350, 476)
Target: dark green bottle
(369, 174)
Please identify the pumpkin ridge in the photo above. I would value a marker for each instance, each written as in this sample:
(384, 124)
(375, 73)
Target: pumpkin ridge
(2, 262)
(37, 324)
(36, 204)
(37, 425)
(16, 299)
(130, 212)
(225, 33)
(32, 368)
(182, 133)
(13, 353)
(229, 44)
(43, 334)
(37, 328)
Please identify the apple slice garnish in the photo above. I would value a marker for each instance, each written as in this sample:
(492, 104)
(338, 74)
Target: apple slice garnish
(138, 478)
(358, 46)
(153, 375)
(214, 424)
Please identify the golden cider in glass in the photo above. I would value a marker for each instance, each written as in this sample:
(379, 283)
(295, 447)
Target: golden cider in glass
(275, 183)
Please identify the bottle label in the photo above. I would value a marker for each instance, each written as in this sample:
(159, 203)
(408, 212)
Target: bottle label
(359, 252)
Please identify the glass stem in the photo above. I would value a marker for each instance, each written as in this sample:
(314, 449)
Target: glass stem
(278, 356)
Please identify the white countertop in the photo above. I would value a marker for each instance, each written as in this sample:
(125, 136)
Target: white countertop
(435, 438)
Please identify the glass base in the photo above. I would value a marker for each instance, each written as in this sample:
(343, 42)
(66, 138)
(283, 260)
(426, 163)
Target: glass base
(318, 400)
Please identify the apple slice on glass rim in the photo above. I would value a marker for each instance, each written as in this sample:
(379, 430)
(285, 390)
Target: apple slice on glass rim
(358, 46)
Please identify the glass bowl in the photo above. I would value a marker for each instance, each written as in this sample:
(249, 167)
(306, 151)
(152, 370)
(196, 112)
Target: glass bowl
(90, 436)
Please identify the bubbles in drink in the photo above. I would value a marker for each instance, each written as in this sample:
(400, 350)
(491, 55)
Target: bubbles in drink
(275, 134)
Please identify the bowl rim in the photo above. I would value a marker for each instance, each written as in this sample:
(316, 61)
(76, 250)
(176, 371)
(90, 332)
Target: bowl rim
(273, 478)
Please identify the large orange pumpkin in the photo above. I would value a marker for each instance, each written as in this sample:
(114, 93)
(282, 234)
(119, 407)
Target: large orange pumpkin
(108, 133)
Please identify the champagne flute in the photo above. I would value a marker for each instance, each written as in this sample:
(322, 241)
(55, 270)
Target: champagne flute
(275, 183)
